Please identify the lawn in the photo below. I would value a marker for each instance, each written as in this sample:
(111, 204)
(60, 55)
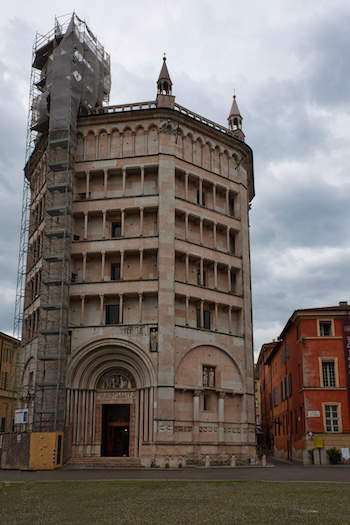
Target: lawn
(173, 502)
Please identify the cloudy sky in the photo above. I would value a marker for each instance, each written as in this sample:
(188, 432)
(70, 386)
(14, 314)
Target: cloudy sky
(288, 62)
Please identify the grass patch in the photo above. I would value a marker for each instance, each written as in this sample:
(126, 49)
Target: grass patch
(173, 502)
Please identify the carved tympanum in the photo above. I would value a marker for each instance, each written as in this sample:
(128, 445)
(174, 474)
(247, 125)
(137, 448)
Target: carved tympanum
(116, 379)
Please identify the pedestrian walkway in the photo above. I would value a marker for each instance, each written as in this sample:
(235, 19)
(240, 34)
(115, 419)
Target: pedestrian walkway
(278, 472)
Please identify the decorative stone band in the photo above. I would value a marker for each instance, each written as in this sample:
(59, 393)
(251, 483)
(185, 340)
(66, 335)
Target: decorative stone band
(113, 396)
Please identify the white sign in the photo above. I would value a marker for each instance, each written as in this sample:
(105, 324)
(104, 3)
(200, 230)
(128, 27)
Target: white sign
(21, 416)
(313, 413)
(345, 453)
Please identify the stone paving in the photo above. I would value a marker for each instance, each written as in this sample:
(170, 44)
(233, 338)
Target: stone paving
(280, 472)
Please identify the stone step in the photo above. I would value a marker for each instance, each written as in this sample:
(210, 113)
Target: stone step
(90, 462)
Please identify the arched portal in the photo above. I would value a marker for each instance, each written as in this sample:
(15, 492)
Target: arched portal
(110, 399)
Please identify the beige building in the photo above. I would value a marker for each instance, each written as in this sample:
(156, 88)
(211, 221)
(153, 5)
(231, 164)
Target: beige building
(157, 360)
(8, 355)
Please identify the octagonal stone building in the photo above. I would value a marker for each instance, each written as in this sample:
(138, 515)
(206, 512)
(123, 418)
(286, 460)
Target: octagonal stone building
(157, 360)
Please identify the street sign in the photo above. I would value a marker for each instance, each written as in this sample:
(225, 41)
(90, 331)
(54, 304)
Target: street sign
(21, 416)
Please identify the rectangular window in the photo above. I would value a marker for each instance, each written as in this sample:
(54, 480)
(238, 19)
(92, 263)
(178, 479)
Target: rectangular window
(198, 317)
(205, 279)
(5, 381)
(116, 229)
(328, 374)
(112, 314)
(232, 206)
(289, 383)
(3, 424)
(275, 397)
(205, 402)
(332, 420)
(207, 319)
(115, 272)
(326, 328)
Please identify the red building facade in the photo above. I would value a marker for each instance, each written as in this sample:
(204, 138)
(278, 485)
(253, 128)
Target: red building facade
(304, 387)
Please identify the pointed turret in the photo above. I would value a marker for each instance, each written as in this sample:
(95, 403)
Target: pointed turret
(235, 120)
(164, 83)
(165, 98)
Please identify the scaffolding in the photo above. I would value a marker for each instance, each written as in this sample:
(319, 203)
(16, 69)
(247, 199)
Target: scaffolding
(70, 75)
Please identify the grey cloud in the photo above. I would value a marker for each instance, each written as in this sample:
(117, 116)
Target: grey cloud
(279, 123)
(276, 299)
(311, 214)
(326, 46)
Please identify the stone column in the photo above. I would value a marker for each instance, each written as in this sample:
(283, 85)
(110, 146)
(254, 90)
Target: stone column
(124, 180)
(84, 146)
(141, 410)
(201, 230)
(227, 202)
(84, 267)
(86, 225)
(103, 257)
(229, 285)
(196, 396)
(230, 319)
(214, 196)
(202, 313)
(109, 138)
(141, 264)
(141, 222)
(121, 265)
(214, 235)
(200, 185)
(228, 239)
(140, 308)
(221, 415)
(150, 416)
(195, 432)
(201, 271)
(142, 180)
(186, 312)
(104, 224)
(186, 185)
(187, 267)
(101, 308)
(82, 309)
(216, 316)
(105, 183)
(121, 308)
(87, 185)
(215, 274)
(122, 222)
(186, 226)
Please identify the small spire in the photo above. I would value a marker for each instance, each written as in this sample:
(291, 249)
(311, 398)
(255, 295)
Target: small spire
(164, 82)
(235, 117)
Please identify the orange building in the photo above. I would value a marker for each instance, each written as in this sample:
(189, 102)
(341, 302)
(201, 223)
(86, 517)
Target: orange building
(8, 396)
(304, 385)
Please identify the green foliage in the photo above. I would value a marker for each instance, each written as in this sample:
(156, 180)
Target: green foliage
(334, 455)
